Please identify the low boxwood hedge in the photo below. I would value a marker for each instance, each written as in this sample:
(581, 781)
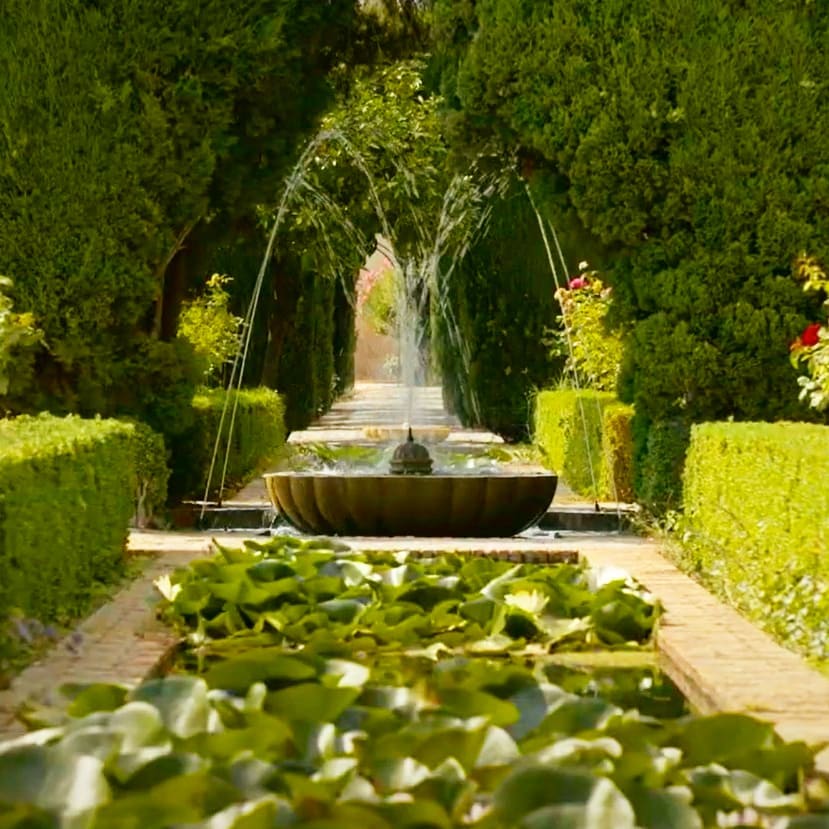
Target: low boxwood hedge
(756, 500)
(66, 495)
(577, 429)
(258, 433)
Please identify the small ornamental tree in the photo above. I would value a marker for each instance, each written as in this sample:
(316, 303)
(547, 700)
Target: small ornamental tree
(811, 348)
(211, 329)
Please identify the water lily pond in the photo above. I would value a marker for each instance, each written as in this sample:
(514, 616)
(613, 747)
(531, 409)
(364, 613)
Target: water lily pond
(321, 687)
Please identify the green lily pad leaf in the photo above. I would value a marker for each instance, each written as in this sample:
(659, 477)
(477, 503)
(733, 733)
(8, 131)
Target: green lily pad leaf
(310, 702)
(336, 769)
(359, 789)
(426, 596)
(88, 698)
(573, 816)
(664, 809)
(140, 724)
(576, 751)
(481, 610)
(262, 813)
(399, 775)
(232, 555)
(181, 701)
(498, 587)
(270, 569)
(162, 768)
(44, 776)
(245, 592)
(574, 715)
(595, 801)
(499, 749)
(345, 611)
(271, 666)
(717, 737)
(185, 799)
(421, 814)
(466, 703)
(347, 674)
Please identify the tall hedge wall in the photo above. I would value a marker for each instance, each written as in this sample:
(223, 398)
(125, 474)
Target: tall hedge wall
(586, 437)
(259, 432)
(757, 503)
(499, 301)
(688, 139)
(133, 133)
(66, 496)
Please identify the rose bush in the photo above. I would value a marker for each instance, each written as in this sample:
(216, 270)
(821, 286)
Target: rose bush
(811, 349)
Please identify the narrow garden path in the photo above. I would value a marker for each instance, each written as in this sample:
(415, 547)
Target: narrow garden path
(717, 658)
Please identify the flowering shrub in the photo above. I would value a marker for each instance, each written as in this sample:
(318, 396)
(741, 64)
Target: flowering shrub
(811, 348)
(594, 353)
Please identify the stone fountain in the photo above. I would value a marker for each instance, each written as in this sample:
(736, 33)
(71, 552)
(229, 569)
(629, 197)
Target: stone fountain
(412, 500)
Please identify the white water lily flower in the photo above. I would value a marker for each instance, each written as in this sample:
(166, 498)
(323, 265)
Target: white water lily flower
(166, 587)
(529, 601)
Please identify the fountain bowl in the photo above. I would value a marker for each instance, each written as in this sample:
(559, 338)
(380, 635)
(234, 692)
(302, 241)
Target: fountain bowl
(455, 506)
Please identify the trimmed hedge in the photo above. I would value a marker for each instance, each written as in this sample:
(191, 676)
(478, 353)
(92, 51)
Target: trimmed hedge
(757, 506)
(259, 431)
(560, 419)
(659, 455)
(66, 496)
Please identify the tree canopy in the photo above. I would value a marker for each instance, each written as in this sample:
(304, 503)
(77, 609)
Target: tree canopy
(686, 140)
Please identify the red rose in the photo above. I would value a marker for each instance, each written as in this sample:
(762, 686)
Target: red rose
(578, 282)
(811, 334)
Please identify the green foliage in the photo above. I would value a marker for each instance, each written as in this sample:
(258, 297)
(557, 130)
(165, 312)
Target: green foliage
(345, 334)
(66, 496)
(688, 138)
(328, 711)
(381, 303)
(18, 337)
(151, 474)
(305, 593)
(586, 438)
(131, 134)
(489, 332)
(659, 457)
(165, 376)
(211, 329)
(592, 350)
(258, 432)
(757, 518)
(306, 362)
(815, 353)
